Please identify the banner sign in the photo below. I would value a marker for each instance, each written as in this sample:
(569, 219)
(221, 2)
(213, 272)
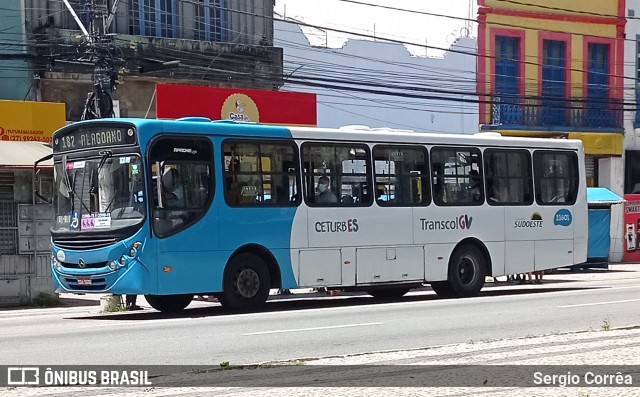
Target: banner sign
(258, 106)
(30, 121)
(631, 228)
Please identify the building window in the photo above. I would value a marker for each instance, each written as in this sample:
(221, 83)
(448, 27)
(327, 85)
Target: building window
(157, 18)
(553, 82)
(632, 172)
(507, 58)
(210, 20)
(598, 114)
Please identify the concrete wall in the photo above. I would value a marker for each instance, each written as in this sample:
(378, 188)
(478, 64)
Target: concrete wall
(22, 278)
(247, 21)
(383, 64)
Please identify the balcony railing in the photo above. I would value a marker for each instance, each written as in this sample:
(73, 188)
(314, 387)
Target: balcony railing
(569, 113)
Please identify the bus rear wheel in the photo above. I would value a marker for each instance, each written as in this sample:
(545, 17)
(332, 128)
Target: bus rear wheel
(246, 283)
(169, 303)
(443, 289)
(467, 269)
(388, 293)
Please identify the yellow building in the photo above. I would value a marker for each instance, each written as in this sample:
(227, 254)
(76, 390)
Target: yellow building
(554, 69)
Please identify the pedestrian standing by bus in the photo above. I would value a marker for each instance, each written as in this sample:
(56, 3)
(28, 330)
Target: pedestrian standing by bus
(131, 302)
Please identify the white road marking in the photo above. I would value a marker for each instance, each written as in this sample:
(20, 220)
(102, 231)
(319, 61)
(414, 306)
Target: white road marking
(279, 331)
(600, 303)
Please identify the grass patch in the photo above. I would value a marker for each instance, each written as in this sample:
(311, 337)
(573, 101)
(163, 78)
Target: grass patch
(45, 300)
(114, 305)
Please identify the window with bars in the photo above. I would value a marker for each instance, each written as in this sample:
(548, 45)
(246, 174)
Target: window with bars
(507, 61)
(157, 18)
(210, 20)
(553, 82)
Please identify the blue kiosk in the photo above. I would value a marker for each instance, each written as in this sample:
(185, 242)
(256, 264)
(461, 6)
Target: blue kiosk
(599, 200)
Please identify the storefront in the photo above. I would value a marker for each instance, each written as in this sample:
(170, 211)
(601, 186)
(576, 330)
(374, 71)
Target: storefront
(25, 130)
(24, 223)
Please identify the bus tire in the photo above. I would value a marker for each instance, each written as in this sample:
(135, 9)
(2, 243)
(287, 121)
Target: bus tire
(443, 289)
(169, 303)
(467, 269)
(246, 283)
(388, 293)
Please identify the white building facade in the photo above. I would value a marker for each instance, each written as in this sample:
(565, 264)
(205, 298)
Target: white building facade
(380, 84)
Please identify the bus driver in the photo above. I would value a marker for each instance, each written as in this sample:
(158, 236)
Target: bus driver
(173, 190)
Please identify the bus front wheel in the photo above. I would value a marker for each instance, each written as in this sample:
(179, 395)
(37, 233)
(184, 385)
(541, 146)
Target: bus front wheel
(169, 303)
(467, 271)
(246, 283)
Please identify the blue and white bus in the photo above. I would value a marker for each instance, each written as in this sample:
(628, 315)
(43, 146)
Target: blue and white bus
(170, 209)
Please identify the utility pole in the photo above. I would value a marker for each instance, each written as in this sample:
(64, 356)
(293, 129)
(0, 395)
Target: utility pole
(100, 50)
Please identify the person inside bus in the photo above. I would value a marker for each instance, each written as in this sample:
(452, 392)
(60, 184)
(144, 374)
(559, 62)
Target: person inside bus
(325, 195)
(475, 184)
(173, 190)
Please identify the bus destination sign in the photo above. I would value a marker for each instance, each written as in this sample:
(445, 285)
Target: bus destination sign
(94, 137)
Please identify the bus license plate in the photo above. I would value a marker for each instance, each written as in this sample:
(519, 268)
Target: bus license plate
(84, 280)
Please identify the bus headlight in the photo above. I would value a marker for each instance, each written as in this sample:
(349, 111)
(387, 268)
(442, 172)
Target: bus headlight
(57, 265)
(112, 265)
(123, 260)
(133, 252)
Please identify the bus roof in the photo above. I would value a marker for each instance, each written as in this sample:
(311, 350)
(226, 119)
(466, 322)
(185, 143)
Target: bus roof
(199, 125)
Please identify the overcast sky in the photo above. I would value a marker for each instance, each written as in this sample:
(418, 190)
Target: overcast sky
(381, 22)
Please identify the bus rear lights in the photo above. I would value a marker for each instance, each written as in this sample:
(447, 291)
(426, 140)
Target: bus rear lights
(167, 269)
(112, 265)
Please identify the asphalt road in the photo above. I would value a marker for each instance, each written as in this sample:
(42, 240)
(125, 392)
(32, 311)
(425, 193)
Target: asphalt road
(306, 326)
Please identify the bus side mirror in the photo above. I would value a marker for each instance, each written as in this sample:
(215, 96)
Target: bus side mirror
(36, 180)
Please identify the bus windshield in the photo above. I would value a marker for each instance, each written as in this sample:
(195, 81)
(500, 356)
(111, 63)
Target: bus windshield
(98, 194)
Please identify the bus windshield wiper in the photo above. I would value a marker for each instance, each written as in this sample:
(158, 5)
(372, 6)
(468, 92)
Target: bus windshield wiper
(105, 155)
(66, 180)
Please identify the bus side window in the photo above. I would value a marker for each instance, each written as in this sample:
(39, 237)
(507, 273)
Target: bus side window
(258, 173)
(181, 182)
(556, 177)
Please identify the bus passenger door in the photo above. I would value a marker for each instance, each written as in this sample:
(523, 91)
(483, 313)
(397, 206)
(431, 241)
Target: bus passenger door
(186, 231)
